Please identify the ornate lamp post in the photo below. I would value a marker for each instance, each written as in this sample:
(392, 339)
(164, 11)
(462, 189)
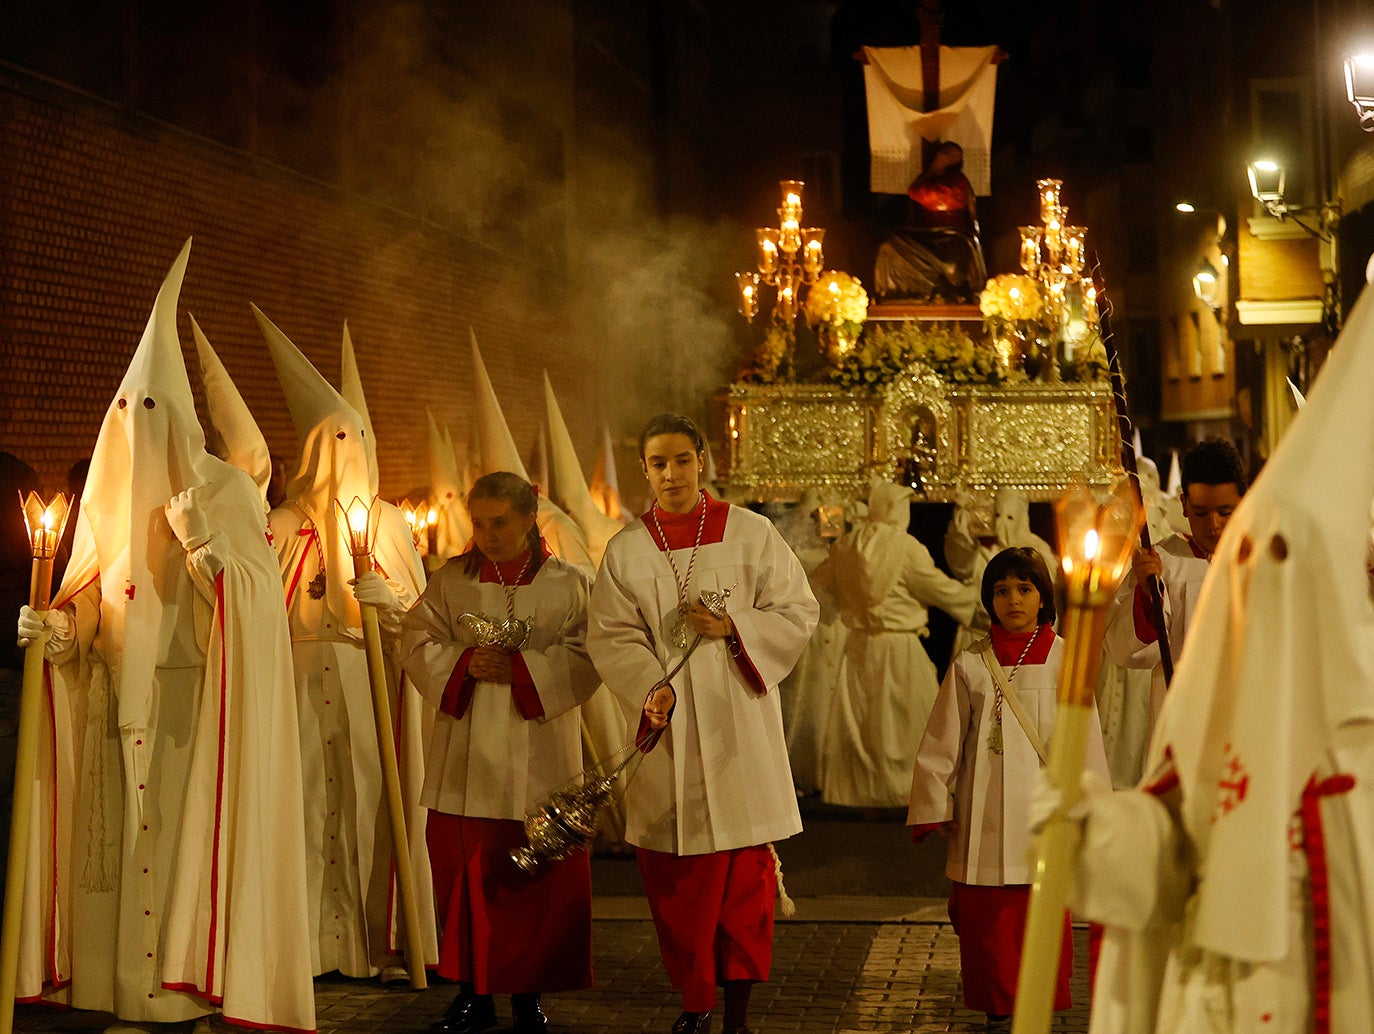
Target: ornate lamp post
(359, 521)
(1097, 541)
(45, 523)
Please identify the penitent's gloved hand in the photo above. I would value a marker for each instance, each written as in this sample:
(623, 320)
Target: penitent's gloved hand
(189, 521)
(1049, 799)
(31, 624)
(372, 588)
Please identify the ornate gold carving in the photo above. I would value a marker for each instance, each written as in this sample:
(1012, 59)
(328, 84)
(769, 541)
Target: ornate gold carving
(786, 438)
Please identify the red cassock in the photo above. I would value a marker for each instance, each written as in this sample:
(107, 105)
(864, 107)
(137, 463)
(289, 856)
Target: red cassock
(714, 917)
(497, 751)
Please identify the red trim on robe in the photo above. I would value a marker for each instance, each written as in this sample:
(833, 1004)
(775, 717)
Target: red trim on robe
(458, 689)
(751, 675)
(219, 792)
(300, 566)
(263, 1026)
(516, 571)
(1314, 847)
(921, 830)
(523, 690)
(1196, 551)
(193, 990)
(681, 528)
(76, 592)
(991, 923)
(1007, 646)
(1143, 616)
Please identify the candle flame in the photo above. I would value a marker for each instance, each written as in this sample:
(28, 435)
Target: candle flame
(432, 518)
(1092, 544)
(357, 518)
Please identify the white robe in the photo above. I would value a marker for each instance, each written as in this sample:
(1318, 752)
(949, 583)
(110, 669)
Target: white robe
(492, 763)
(719, 778)
(167, 853)
(353, 901)
(1183, 574)
(810, 688)
(887, 682)
(986, 795)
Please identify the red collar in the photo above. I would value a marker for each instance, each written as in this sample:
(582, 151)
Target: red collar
(1197, 550)
(1008, 645)
(681, 528)
(520, 568)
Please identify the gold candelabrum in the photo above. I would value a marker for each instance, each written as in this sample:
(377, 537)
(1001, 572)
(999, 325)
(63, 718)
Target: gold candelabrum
(790, 258)
(1098, 539)
(1054, 255)
(359, 521)
(45, 523)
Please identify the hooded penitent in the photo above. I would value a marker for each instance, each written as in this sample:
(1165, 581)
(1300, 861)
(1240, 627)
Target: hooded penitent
(347, 836)
(170, 774)
(446, 492)
(605, 486)
(569, 488)
(498, 452)
(244, 445)
(351, 388)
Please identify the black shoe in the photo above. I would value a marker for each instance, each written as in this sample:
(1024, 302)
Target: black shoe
(528, 1017)
(468, 1013)
(693, 1023)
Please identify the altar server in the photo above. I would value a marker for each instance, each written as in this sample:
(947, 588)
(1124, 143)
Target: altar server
(1213, 483)
(506, 737)
(1234, 885)
(976, 772)
(886, 581)
(712, 795)
(167, 868)
(348, 839)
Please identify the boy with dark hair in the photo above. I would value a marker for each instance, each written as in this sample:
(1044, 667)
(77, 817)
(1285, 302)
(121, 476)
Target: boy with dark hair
(1213, 483)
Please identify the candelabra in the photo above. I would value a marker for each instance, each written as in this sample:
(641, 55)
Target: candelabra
(790, 258)
(1054, 254)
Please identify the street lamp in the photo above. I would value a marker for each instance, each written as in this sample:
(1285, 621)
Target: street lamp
(1359, 88)
(1266, 184)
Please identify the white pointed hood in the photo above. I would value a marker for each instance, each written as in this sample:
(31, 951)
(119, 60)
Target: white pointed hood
(870, 547)
(1280, 657)
(494, 440)
(605, 486)
(351, 387)
(244, 445)
(539, 462)
(446, 492)
(150, 448)
(497, 451)
(1175, 486)
(569, 488)
(333, 461)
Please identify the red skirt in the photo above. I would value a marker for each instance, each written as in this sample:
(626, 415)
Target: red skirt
(502, 930)
(991, 923)
(714, 917)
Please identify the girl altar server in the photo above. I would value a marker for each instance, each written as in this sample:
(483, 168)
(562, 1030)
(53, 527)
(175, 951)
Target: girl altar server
(976, 771)
(716, 788)
(497, 646)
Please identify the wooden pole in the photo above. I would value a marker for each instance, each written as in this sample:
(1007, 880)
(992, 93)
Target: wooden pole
(391, 783)
(1058, 843)
(25, 764)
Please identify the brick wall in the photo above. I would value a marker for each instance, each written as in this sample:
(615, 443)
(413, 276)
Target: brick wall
(94, 205)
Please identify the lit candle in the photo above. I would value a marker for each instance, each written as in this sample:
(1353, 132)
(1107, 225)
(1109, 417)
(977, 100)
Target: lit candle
(1049, 198)
(1076, 240)
(768, 251)
(1030, 247)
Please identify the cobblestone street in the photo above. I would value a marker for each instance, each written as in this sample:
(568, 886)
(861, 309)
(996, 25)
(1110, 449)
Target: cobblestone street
(831, 977)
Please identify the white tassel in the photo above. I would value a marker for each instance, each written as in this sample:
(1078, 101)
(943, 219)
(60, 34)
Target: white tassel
(786, 905)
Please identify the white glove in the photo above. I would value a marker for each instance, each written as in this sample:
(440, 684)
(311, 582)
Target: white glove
(189, 521)
(1049, 800)
(372, 588)
(32, 623)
